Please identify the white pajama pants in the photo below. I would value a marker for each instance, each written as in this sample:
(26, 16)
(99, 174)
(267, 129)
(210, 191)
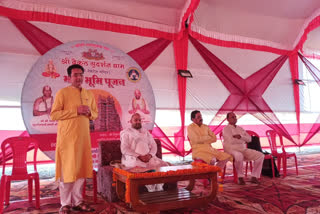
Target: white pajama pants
(238, 163)
(71, 193)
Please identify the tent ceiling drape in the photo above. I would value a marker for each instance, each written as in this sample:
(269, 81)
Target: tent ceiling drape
(277, 24)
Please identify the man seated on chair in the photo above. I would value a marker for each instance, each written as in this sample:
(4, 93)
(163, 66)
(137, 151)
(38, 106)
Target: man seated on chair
(201, 137)
(234, 143)
(139, 149)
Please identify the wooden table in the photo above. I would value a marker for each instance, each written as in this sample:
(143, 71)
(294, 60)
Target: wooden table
(168, 199)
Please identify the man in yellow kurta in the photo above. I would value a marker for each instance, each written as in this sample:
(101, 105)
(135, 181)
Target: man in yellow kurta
(73, 107)
(201, 137)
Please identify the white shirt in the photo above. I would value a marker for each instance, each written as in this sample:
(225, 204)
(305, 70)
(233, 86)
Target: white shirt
(135, 143)
(231, 143)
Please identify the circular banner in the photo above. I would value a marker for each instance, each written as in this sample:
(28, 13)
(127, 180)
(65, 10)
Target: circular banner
(119, 85)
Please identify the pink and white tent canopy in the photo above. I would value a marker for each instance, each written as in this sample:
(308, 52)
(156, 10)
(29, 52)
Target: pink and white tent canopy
(275, 24)
(246, 36)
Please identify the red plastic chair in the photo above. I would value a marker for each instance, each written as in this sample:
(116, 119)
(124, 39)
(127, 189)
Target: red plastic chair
(94, 180)
(272, 138)
(266, 156)
(19, 147)
(235, 174)
(205, 182)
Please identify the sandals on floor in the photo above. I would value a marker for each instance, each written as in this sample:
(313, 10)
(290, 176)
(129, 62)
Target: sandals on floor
(65, 209)
(83, 207)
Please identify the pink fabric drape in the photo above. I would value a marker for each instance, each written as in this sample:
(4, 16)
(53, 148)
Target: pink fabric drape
(311, 26)
(38, 38)
(245, 94)
(145, 55)
(219, 42)
(233, 44)
(85, 23)
(99, 21)
(165, 141)
(181, 59)
(46, 14)
(316, 75)
(293, 60)
(189, 12)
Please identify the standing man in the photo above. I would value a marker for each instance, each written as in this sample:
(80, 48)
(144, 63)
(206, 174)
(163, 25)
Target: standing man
(73, 107)
(201, 137)
(235, 139)
(139, 149)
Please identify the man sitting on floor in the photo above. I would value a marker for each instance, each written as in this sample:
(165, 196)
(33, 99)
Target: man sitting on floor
(201, 137)
(234, 143)
(139, 149)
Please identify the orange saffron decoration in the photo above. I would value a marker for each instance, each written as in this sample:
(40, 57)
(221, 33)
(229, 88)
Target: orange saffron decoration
(113, 177)
(128, 199)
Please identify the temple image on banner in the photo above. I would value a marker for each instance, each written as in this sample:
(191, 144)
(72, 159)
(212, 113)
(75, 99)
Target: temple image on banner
(108, 118)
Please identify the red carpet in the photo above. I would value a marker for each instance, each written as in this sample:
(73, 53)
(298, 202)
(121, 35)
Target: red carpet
(293, 194)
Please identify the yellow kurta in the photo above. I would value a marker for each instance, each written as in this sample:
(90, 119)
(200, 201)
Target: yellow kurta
(73, 147)
(200, 140)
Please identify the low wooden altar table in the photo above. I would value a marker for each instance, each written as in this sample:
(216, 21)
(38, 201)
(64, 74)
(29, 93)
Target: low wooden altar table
(127, 185)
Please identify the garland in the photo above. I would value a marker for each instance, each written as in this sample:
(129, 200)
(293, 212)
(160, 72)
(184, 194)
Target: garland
(201, 168)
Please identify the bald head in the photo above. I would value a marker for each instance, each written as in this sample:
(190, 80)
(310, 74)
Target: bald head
(136, 121)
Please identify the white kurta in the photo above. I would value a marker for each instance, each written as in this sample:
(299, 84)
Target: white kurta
(231, 143)
(138, 142)
(238, 149)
